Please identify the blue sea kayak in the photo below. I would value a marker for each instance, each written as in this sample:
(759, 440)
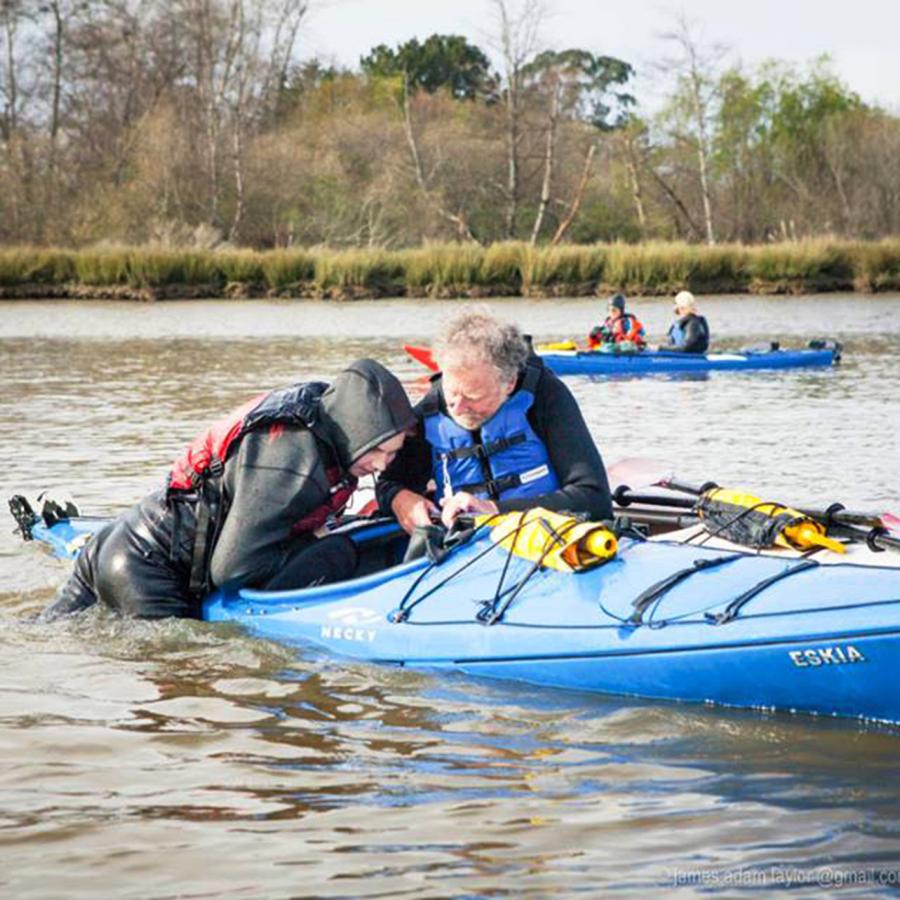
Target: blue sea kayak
(665, 618)
(650, 362)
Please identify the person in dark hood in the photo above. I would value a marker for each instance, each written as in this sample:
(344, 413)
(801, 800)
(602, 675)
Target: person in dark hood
(244, 502)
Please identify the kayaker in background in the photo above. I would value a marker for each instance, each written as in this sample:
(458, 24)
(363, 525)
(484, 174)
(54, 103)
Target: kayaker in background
(497, 432)
(620, 327)
(244, 500)
(690, 332)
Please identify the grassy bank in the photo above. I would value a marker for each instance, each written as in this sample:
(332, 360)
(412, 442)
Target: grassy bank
(450, 270)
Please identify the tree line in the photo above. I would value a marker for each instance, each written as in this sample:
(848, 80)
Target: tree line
(194, 122)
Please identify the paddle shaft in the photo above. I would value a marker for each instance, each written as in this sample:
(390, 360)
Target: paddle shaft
(877, 538)
(662, 520)
(624, 496)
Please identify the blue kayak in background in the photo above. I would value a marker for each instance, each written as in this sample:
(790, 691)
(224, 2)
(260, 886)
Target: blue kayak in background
(666, 618)
(650, 362)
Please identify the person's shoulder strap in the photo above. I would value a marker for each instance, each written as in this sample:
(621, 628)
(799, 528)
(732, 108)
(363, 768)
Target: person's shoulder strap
(534, 368)
(430, 404)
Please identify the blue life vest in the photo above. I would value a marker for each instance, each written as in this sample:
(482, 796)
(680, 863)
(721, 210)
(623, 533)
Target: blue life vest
(678, 333)
(503, 459)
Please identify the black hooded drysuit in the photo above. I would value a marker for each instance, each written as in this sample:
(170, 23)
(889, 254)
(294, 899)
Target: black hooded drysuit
(273, 479)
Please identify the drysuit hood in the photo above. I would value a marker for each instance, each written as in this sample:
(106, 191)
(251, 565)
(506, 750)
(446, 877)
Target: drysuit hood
(365, 406)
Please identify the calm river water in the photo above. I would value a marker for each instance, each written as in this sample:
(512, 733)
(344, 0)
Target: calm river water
(179, 759)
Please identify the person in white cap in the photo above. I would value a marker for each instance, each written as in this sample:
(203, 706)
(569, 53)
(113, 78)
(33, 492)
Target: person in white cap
(689, 333)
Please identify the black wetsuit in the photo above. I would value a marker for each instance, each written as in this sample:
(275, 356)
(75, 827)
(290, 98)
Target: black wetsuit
(556, 420)
(273, 479)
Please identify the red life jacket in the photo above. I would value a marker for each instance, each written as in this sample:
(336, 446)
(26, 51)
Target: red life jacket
(209, 450)
(626, 327)
(196, 474)
(205, 457)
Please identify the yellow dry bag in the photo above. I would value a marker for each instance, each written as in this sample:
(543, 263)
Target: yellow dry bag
(747, 520)
(556, 540)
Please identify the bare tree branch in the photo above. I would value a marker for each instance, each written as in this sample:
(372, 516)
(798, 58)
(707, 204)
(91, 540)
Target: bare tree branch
(549, 152)
(695, 65)
(462, 227)
(578, 197)
(517, 40)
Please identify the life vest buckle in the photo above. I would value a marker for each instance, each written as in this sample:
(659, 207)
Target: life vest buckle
(496, 486)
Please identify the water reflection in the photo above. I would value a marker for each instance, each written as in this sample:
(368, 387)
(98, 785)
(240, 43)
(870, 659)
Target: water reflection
(418, 777)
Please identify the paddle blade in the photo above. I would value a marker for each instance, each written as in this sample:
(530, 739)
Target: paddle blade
(891, 522)
(422, 355)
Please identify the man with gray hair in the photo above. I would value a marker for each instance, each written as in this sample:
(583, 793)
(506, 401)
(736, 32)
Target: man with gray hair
(497, 432)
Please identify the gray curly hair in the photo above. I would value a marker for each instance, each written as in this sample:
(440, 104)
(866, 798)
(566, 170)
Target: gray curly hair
(475, 335)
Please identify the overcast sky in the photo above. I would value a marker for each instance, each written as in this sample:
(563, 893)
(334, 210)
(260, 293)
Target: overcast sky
(861, 36)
